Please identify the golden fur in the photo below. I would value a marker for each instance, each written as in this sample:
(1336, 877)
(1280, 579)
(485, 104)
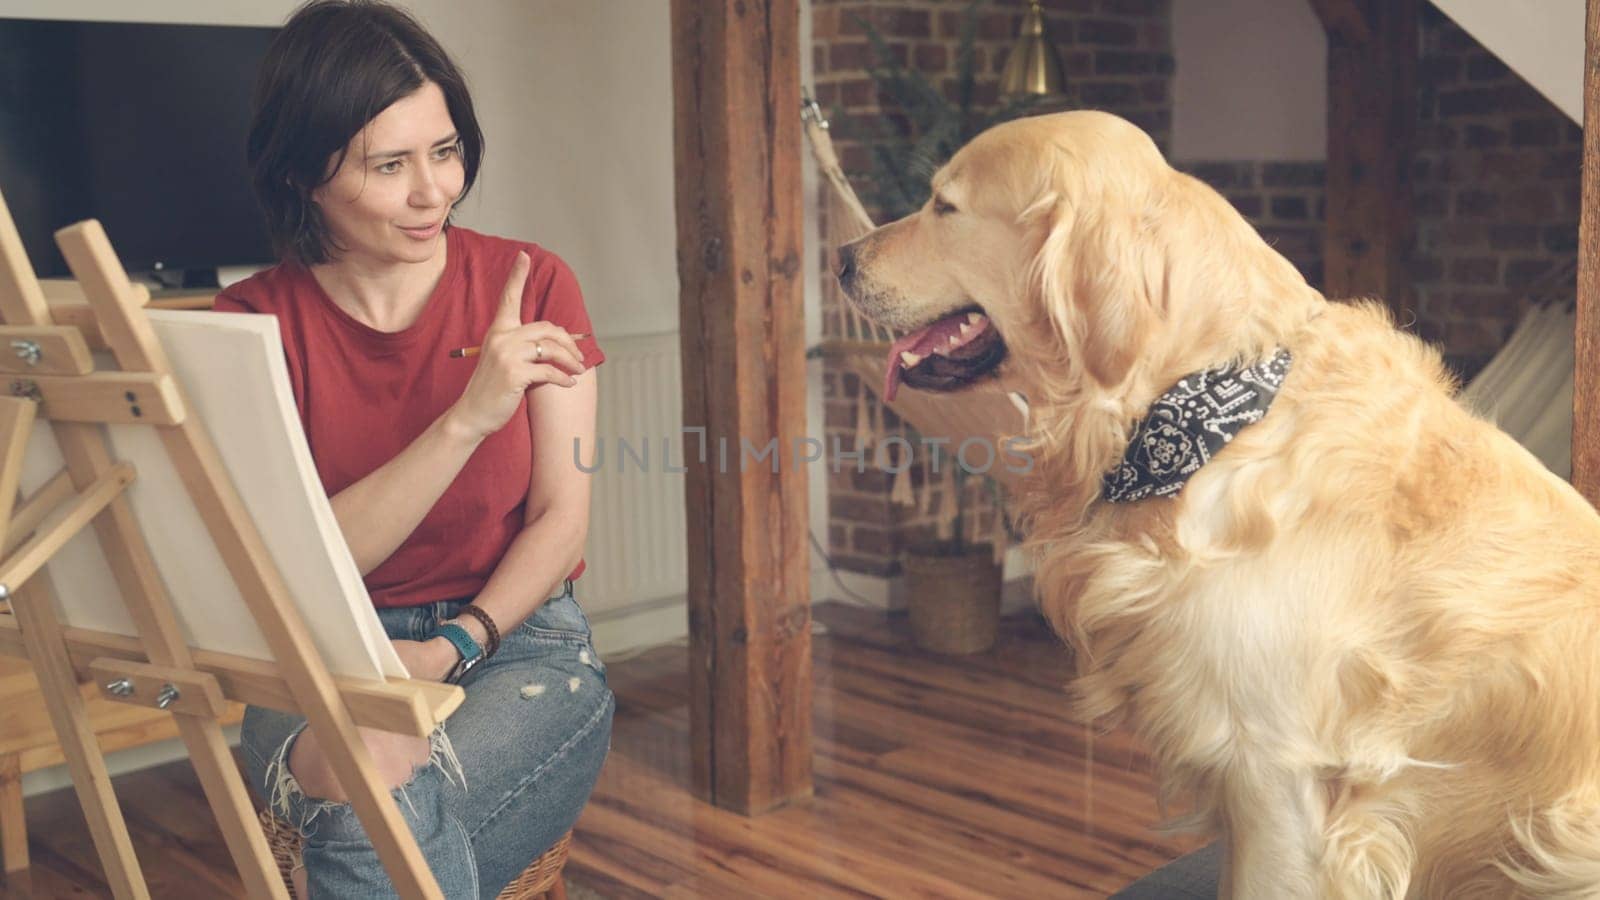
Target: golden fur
(1365, 639)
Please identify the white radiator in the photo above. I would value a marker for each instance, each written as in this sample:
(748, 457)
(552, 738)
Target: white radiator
(636, 553)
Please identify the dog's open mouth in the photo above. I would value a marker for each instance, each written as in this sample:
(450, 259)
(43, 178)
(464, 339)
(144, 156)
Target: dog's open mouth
(945, 355)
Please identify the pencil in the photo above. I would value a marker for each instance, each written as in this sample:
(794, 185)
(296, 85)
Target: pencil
(462, 352)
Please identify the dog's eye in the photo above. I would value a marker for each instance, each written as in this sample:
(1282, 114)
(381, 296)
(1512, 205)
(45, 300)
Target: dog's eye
(942, 208)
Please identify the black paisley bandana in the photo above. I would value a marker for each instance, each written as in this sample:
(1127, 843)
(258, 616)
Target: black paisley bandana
(1188, 424)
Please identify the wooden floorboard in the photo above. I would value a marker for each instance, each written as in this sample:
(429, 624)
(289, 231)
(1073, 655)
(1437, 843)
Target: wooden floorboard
(936, 777)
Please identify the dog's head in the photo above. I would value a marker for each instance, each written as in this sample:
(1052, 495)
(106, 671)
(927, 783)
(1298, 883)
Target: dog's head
(1065, 248)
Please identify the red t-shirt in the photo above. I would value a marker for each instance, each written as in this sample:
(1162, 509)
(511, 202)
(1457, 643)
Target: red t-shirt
(364, 395)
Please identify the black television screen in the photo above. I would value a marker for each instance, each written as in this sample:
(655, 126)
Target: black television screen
(141, 126)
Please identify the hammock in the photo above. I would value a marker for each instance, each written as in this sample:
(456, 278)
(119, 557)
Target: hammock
(986, 411)
(1526, 388)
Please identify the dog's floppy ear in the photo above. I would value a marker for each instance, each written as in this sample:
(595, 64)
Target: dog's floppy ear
(1095, 285)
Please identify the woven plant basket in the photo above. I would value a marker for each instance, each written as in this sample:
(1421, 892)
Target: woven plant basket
(541, 876)
(953, 600)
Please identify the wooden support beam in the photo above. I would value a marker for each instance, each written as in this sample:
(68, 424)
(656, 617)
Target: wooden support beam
(159, 687)
(1586, 367)
(16, 424)
(41, 634)
(44, 350)
(36, 506)
(13, 827)
(403, 707)
(736, 91)
(1372, 115)
(119, 398)
(28, 559)
(1350, 20)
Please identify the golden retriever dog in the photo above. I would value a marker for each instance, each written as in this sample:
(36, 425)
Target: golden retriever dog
(1364, 639)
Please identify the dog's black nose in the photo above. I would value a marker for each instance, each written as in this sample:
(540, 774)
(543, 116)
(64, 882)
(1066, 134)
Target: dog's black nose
(847, 264)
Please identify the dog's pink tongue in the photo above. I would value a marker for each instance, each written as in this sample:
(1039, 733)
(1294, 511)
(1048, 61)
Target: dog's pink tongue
(891, 376)
(921, 342)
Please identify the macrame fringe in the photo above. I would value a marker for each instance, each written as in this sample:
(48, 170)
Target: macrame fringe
(901, 493)
(999, 538)
(947, 519)
(863, 421)
(925, 500)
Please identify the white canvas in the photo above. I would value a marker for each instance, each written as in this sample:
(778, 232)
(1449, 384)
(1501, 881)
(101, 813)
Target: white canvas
(233, 375)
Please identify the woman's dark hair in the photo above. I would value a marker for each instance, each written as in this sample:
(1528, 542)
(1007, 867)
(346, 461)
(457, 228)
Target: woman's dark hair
(333, 68)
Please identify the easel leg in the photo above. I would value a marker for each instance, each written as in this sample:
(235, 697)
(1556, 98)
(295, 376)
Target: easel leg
(225, 791)
(41, 634)
(197, 462)
(13, 829)
(16, 421)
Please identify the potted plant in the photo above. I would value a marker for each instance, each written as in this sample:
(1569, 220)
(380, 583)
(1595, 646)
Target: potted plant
(906, 149)
(953, 586)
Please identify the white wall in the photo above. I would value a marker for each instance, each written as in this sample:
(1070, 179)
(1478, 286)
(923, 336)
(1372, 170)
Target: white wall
(576, 97)
(1251, 81)
(1542, 42)
(575, 100)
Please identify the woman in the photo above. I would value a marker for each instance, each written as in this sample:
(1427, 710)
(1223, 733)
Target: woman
(454, 479)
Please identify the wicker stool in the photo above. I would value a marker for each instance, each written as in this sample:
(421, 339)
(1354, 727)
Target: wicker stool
(541, 880)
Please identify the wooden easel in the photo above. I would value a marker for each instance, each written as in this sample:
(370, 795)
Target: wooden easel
(47, 371)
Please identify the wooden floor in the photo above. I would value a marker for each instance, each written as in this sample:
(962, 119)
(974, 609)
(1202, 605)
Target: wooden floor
(935, 777)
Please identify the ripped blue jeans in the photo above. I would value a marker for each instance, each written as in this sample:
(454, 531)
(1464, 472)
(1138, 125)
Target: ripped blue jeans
(511, 769)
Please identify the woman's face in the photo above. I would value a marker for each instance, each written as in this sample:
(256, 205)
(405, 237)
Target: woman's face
(388, 201)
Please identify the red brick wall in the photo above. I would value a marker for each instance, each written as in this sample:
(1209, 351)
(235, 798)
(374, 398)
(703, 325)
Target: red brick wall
(1496, 184)
(1118, 57)
(1117, 54)
(1284, 200)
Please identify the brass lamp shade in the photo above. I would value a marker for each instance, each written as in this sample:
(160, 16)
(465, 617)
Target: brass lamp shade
(1033, 66)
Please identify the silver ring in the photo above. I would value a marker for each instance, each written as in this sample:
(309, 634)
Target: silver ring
(538, 351)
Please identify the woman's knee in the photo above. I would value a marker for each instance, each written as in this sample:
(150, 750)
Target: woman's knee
(396, 758)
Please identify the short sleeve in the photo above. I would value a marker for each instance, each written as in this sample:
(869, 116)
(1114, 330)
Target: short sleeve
(232, 302)
(553, 296)
(227, 302)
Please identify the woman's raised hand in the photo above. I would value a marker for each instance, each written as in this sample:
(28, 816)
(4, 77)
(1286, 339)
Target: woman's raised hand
(514, 357)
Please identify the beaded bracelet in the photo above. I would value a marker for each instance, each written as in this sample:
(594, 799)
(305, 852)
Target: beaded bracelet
(488, 626)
